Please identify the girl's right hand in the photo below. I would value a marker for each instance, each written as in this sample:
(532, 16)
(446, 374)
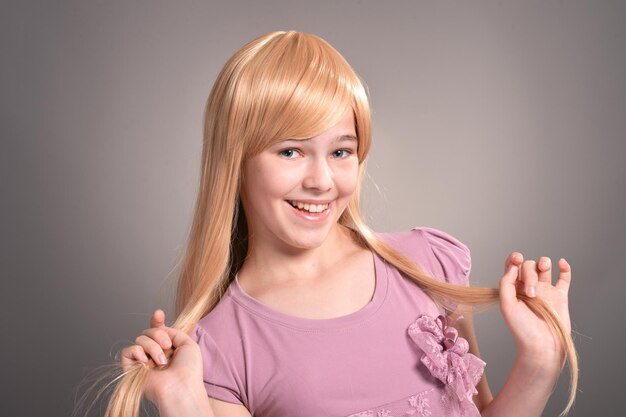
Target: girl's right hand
(171, 377)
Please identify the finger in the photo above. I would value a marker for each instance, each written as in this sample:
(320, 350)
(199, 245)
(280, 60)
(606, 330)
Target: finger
(152, 348)
(158, 318)
(178, 337)
(565, 275)
(515, 258)
(529, 278)
(134, 353)
(544, 270)
(131, 355)
(507, 287)
(160, 336)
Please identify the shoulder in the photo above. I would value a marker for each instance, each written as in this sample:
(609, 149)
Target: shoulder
(441, 254)
(222, 357)
(220, 324)
(217, 332)
(213, 338)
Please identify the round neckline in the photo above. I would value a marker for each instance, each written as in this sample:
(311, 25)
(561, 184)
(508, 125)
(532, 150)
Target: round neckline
(262, 310)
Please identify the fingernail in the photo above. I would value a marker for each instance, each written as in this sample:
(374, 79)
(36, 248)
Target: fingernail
(530, 291)
(162, 359)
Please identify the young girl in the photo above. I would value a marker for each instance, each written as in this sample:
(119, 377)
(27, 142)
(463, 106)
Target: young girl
(289, 305)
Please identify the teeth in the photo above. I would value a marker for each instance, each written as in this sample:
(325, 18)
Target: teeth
(313, 208)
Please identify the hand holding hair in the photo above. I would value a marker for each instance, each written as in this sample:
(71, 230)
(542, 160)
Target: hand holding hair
(173, 378)
(530, 279)
(153, 341)
(528, 301)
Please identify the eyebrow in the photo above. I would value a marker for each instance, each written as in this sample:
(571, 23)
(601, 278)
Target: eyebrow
(342, 138)
(350, 138)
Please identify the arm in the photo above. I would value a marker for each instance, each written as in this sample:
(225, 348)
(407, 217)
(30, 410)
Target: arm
(175, 385)
(540, 356)
(526, 390)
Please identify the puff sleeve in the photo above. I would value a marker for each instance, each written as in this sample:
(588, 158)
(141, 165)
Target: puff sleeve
(220, 378)
(450, 259)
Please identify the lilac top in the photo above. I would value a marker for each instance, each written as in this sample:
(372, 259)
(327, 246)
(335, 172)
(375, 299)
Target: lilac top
(396, 356)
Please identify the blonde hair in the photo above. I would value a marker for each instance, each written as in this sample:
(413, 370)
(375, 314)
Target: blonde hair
(281, 85)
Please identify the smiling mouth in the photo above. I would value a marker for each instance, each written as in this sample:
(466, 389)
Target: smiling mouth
(311, 208)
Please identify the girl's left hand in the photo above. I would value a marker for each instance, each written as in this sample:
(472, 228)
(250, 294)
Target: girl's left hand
(534, 279)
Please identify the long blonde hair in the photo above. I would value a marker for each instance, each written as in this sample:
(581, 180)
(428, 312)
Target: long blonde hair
(281, 85)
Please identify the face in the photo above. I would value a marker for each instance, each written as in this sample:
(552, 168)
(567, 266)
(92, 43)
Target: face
(295, 190)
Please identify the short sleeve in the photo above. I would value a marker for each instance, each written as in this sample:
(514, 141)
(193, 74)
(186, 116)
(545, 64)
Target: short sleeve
(220, 379)
(448, 253)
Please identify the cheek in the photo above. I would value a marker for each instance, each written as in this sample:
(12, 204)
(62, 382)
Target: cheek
(273, 181)
(346, 179)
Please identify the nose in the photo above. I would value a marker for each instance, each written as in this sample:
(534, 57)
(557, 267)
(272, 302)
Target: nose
(319, 175)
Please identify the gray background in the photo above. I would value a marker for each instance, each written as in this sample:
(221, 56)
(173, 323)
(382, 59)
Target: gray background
(499, 122)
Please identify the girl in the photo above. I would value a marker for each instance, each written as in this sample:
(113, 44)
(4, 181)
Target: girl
(289, 305)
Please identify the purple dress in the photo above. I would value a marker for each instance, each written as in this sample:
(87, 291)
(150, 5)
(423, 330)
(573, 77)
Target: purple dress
(397, 356)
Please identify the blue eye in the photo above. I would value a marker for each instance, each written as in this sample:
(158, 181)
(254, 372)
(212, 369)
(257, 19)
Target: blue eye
(341, 153)
(288, 153)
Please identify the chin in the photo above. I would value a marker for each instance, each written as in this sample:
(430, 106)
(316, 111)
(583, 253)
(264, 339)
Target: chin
(310, 240)
(307, 243)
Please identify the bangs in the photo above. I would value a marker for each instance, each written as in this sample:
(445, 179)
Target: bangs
(295, 86)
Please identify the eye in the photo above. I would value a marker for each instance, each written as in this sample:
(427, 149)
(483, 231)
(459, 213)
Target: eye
(289, 153)
(342, 153)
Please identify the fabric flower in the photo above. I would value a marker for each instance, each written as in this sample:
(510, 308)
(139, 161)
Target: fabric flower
(447, 358)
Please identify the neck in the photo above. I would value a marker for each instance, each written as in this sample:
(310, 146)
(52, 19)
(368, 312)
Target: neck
(268, 264)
